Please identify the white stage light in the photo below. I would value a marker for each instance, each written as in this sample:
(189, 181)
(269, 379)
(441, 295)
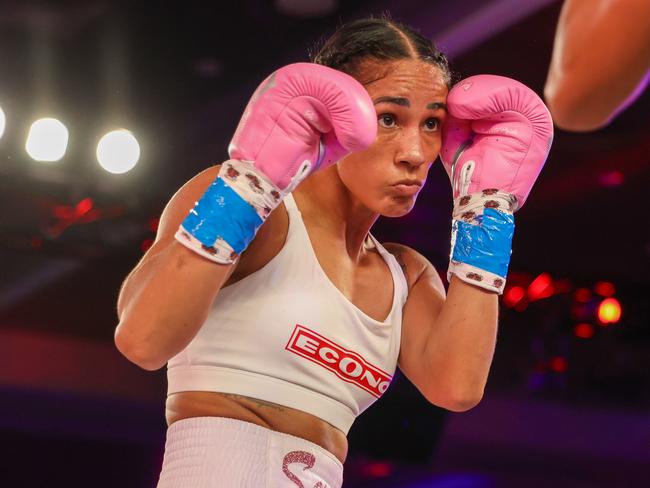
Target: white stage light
(47, 140)
(2, 122)
(118, 151)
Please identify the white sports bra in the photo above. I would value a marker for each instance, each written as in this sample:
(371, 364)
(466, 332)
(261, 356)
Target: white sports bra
(285, 334)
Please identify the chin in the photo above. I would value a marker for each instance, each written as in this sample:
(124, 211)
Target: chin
(397, 207)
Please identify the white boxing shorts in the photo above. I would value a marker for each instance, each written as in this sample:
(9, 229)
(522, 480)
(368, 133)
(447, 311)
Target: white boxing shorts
(217, 452)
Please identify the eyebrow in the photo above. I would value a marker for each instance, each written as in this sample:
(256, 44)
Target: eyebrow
(404, 102)
(437, 106)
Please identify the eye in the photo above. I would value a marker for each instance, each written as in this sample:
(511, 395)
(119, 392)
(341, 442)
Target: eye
(386, 120)
(432, 124)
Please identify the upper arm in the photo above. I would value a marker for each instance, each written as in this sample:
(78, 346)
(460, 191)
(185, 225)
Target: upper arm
(425, 300)
(600, 56)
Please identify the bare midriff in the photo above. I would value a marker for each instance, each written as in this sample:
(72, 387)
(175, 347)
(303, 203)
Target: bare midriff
(189, 404)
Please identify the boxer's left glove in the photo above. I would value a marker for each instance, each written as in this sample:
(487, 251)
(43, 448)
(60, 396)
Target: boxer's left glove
(496, 138)
(302, 117)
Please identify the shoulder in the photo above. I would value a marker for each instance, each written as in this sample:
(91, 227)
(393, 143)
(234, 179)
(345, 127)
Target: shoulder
(416, 267)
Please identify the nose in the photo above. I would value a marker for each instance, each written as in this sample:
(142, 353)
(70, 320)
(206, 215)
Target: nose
(411, 148)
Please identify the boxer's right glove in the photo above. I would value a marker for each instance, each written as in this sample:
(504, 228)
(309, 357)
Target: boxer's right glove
(302, 117)
(495, 141)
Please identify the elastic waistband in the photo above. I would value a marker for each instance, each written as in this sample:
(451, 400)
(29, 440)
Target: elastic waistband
(187, 429)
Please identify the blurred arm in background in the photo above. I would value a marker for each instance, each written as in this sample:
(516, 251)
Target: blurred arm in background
(600, 62)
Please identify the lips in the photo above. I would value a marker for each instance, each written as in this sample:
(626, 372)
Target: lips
(408, 182)
(407, 187)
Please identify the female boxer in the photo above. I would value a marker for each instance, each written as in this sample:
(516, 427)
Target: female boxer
(279, 316)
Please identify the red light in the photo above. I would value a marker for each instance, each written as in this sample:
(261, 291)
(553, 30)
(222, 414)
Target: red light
(513, 295)
(609, 311)
(583, 295)
(584, 330)
(604, 288)
(377, 469)
(559, 364)
(83, 206)
(541, 287)
(611, 178)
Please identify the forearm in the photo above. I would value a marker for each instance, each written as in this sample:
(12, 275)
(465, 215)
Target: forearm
(510, 131)
(600, 61)
(461, 345)
(164, 302)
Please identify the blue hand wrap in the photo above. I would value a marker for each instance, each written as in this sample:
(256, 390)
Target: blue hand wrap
(221, 212)
(488, 245)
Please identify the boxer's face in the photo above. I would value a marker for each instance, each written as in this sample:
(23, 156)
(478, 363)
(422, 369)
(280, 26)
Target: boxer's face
(409, 98)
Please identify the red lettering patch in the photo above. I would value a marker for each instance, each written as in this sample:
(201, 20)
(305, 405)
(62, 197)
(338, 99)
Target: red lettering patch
(347, 365)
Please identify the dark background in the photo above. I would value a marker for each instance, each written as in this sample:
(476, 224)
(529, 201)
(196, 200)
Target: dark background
(559, 410)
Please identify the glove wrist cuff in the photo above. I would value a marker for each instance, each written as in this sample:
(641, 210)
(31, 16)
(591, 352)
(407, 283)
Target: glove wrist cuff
(476, 276)
(252, 186)
(469, 208)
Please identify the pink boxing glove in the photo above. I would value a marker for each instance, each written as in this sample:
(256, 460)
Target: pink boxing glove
(495, 140)
(302, 117)
(497, 135)
(303, 114)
